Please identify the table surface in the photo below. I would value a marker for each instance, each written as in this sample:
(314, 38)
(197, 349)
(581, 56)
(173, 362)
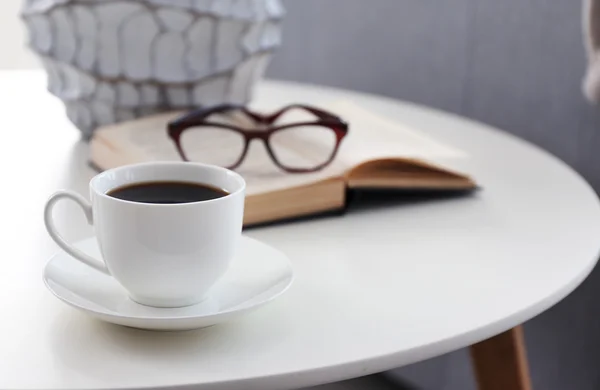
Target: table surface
(378, 288)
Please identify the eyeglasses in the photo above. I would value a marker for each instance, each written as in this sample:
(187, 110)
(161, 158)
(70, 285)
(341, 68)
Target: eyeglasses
(298, 138)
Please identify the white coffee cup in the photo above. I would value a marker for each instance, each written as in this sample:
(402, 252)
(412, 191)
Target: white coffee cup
(164, 255)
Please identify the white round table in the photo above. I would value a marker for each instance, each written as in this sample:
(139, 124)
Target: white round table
(376, 289)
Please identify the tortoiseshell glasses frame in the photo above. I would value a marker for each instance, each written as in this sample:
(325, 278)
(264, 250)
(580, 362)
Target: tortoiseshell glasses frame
(264, 130)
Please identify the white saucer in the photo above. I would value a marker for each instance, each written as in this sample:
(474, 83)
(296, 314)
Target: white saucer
(257, 275)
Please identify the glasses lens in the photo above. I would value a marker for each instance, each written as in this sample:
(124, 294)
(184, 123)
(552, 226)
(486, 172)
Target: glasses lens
(303, 147)
(212, 145)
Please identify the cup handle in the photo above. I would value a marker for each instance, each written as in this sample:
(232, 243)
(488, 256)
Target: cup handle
(60, 241)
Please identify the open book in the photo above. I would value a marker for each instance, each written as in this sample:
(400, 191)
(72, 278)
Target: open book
(377, 153)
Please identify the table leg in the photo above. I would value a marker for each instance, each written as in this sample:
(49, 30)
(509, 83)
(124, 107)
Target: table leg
(500, 363)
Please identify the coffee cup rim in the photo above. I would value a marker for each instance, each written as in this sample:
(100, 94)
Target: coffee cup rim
(229, 172)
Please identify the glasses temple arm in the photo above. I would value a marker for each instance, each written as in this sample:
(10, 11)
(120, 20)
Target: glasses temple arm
(313, 110)
(196, 117)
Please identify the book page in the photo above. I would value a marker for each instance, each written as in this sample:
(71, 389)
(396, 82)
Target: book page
(370, 136)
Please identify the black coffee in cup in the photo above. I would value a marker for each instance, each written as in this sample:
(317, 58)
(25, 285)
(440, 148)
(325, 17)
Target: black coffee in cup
(167, 192)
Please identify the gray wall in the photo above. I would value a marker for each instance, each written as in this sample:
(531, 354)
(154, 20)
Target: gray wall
(515, 64)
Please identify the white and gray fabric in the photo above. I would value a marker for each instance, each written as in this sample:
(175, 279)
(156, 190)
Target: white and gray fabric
(591, 33)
